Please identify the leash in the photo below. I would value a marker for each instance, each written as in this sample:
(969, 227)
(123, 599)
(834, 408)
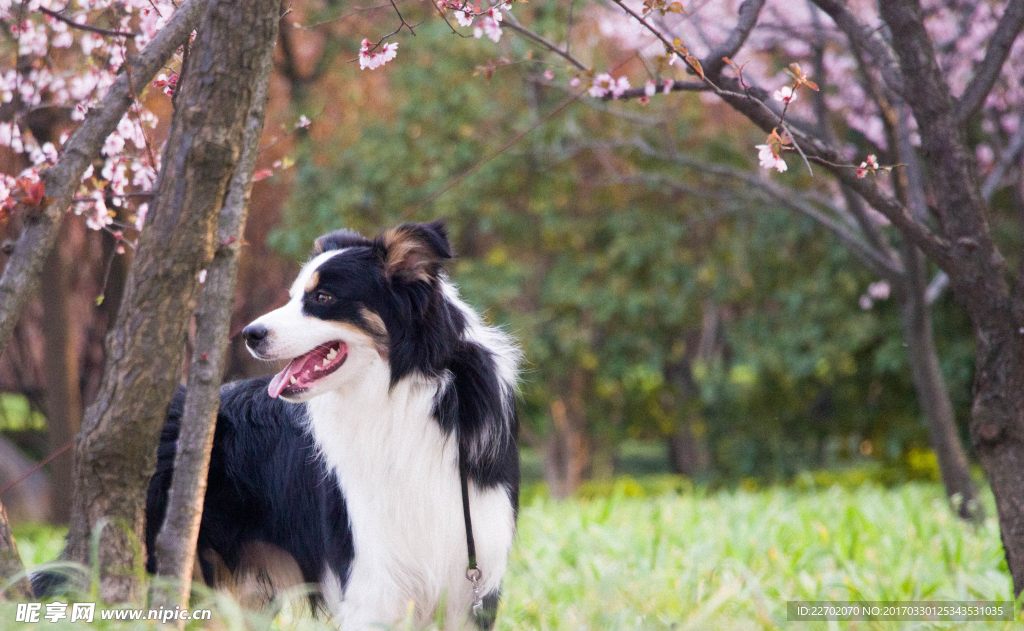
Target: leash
(473, 573)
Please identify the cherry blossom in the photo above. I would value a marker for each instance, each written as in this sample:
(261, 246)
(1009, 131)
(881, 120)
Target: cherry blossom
(74, 81)
(869, 165)
(605, 84)
(370, 60)
(785, 94)
(770, 159)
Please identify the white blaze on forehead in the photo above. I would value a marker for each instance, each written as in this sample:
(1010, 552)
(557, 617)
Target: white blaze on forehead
(310, 268)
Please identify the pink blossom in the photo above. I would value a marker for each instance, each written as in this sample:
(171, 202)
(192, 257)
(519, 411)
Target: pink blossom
(785, 94)
(376, 60)
(303, 122)
(868, 165)
(463, 19)
(650, 88)
(489, 27)
(600, 86)
(140, 215)
(549, 74)
(667, 86)
(879, 290)
(769, 159)
(575, 81)
(605, 84)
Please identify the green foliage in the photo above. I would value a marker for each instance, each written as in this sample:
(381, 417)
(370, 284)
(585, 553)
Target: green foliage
(599, 260)
(645, 557)
(18, 415)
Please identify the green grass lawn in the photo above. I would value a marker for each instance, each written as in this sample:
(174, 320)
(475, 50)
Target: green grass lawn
(727, 560)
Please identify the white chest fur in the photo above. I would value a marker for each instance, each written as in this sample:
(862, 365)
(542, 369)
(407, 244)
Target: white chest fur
(399, 475)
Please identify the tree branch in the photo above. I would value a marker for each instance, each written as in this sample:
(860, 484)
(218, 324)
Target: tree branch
(21, 275)
(86, 27)
(1010, 26)
(749, 12)
(1005, 162)
(512, 23)
(867, 38)
(876, 261)
(976, 268)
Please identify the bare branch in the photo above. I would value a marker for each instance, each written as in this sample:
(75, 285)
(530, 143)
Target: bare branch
(1006, 160)
(866, 38)
(512, 23)
(1010, 26)
(86, 27)
(21, 275)
(750, 10)
(878, 262)
(677, 86)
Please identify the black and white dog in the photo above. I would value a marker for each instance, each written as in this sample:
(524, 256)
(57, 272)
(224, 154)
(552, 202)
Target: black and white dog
(347, 461)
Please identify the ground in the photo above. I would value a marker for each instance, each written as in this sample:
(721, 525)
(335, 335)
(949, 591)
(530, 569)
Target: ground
(658, 555)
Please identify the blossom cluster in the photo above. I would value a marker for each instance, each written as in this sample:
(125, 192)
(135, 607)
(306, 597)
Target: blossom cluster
(67, 68)
(373, 60)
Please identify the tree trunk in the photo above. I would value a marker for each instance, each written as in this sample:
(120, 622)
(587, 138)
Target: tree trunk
(116, 450)
(568, 453)
(63, 394)
(932, 393)
(978, 276)
(176, 543)
(688, 450)
(10, 562)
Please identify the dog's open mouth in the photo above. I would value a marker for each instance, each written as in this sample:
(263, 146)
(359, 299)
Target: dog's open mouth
(304, 370)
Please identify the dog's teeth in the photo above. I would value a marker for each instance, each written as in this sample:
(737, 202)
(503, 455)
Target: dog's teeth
(327, 360)
(292, 382)
(331, 355)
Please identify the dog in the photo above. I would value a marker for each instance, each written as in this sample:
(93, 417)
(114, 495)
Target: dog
(343, 470)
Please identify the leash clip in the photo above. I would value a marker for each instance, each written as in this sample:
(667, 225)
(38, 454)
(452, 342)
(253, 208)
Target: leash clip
(473, 575)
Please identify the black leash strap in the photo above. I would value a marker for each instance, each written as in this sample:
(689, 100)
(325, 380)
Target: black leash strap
(473, 573)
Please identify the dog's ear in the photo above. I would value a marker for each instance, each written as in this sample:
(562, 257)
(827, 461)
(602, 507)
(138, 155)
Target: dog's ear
(337, 240)
(415, 251)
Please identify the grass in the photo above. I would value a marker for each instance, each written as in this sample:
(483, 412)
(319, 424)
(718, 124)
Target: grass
(627, 559)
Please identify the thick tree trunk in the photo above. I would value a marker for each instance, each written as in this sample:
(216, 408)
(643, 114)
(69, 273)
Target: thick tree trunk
(63, 394)
(568, 453)
(997, 433)
(10, 562)
(932, 393)
(116, 450)
(978, 276)
(176, 543)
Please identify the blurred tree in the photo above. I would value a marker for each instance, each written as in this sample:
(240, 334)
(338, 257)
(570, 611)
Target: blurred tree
(647, 306)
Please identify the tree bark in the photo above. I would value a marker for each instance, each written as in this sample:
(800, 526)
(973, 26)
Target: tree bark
(21, 274)
(116, 449)
(978, 276)
(176, 543)
(10, 562)
(63, 393)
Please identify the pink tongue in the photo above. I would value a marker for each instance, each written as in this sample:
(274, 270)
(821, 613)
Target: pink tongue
(281, 379)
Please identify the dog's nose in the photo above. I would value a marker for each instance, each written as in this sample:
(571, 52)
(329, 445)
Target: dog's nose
(254, 334)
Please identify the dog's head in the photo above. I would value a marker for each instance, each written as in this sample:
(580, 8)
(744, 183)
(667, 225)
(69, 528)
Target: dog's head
(357, 302)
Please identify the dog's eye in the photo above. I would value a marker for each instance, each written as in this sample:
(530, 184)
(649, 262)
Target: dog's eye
(323, 298)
